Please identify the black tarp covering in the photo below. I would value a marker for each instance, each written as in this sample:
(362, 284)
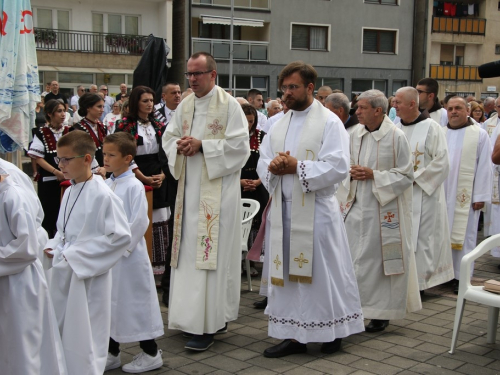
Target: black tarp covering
(152, 68)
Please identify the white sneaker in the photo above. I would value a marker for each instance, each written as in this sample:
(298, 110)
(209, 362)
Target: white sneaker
(113, 362)
(144, 362)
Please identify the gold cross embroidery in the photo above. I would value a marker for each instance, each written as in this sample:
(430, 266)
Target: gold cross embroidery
(301, 260)
(185, 127)
(277, 261)
(416, 154)
(389, 216)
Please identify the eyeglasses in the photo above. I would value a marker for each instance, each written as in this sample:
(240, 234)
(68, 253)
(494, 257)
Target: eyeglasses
(422, 91)
(65, 161)
(290, 87)
(196, 74)
(104, 89)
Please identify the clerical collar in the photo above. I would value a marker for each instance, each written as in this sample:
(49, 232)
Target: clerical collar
(421, 117)
(437, 106)
(467, 123)
(124, 174)
(374, 130)
(305, 111)
(209, 94)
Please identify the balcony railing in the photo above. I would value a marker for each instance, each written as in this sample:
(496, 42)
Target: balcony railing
(454, 72)
(468, 26)
(243, 50)
(84, 41)
(252, 4)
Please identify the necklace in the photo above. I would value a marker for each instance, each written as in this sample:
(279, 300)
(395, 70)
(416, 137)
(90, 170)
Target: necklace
(58, 130)
(143, 122)
(66, 219)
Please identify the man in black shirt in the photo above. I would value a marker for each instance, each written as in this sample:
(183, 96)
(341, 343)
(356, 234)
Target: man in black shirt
(55, 94)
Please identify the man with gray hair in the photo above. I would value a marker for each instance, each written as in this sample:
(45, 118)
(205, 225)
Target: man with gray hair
(489, 106)
(107, 99)
(430, 169)
(339, 104)
(93, 89)
(273, 108)
(80, 90)
(322, 93)
(376, 201)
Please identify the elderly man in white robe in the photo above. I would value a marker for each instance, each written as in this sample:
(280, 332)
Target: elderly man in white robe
(430, 169)
(376, 201)
(468, 186)
(206, 144)
(312, 291)
(29, 341)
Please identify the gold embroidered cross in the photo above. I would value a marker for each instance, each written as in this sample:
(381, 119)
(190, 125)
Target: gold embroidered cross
(301, 260)
(416, 154)
(277, 261)
(389, 216)
(185, 127)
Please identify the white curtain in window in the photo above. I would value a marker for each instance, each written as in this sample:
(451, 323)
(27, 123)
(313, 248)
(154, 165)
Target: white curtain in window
(114, 24)
(318, 38)
(44, 18)
(131, 25)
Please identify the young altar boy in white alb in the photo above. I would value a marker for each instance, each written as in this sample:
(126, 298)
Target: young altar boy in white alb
(92, 235)
(29, 338)
(135, 310)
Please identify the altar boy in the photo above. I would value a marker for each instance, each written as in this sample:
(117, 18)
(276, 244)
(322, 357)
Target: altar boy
(135, 310)
(92, 235)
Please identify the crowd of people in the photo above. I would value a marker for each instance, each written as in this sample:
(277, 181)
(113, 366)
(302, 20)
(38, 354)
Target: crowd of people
(365, 204)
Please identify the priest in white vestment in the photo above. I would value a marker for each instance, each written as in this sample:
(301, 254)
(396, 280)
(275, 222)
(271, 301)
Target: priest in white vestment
(430, 169)
(492, 210)
(29, 337)
(206, 144)
(376, 201)
(312, 290)
(468, 186)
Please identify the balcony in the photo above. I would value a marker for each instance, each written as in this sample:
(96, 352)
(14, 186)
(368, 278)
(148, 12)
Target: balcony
(248, 4)
(243, 50)
(454, 73)
(89, 42)
(467, 26)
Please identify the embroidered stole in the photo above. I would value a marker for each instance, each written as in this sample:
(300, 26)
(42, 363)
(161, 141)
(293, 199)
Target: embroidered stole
(417, 146)
(390, 231)
(490, 128)
(210, 190)
(465, 185)
(303, 204)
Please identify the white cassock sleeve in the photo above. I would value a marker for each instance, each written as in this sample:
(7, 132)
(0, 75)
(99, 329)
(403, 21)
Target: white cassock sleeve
(390, 184)
(228, 155)
(139, 220)
(19, 224)
(172, 134)
(432, 176)
(484, 172)
(93, 255)
(333, 163)
(269, 180)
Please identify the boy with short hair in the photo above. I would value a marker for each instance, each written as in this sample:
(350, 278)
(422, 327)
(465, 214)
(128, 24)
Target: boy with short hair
(92, 235)
(29, 338)
(135, 310)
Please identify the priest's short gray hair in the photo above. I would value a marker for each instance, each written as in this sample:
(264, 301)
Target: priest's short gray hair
(376, 98)
(337, 100)
(410, 93)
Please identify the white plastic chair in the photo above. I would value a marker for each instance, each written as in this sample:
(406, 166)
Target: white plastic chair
(249, 208)
(469, 292)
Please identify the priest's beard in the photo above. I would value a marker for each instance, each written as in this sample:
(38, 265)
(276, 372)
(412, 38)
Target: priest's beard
(297, 104)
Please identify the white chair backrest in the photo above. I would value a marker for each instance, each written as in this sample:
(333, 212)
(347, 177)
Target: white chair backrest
(249, 208)
(467, 260)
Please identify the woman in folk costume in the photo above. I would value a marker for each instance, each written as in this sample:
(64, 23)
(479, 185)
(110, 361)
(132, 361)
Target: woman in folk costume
(92, 108)
(251, 186)
(43, 151)
(152, 164)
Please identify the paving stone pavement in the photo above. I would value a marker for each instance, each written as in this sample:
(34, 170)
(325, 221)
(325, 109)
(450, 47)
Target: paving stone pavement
(418, 344)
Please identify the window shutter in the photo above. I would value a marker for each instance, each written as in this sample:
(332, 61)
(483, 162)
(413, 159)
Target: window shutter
(300, 36)
(369, 41)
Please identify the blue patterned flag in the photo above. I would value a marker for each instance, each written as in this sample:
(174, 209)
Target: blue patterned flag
(19, 84)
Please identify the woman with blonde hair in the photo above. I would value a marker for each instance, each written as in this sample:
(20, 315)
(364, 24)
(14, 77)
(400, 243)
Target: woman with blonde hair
(477, 112)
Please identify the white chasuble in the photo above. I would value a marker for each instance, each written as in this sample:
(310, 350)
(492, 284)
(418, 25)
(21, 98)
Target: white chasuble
(202, 300)
(386, 151)
(430, 217)
(97, 235)
(456, 198)
(29, 337)
(135, 309)
(329, 306)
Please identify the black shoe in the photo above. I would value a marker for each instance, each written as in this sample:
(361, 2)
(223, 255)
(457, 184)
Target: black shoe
(222, 330)
(200, 343)
(456, 286)
(331, 347)
(422, 293)
(261, 305)
(285, 348)
(164, 299)
(376, 325)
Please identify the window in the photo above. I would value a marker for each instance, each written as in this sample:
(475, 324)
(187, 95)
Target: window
(214, 31)
(334, 83)
(241, 84)
(484, 95)
(51, 19)
(497, 49)
(379, 41)
(452, 54)
(396, 85)
(383, 2)
(361, 85)
(115, 24)
(309, 37)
